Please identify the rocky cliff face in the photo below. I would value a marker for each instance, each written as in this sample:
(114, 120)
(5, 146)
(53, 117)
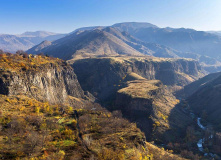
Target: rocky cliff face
(51, 82)
(81, 130)
(170, 72)
(104, 76)
(130, 85)
(153, 108)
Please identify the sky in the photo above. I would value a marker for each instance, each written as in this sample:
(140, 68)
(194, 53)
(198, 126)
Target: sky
(64, 16)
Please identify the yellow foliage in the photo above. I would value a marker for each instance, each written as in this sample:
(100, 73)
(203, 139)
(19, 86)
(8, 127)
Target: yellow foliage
(21, 108)
(156, 124)
(70, 110)
(22, 64)
(30, 103)
(69, 134)
(37, 109)
(19, 63)
(164, 117)
(8, 100)
(61, 155)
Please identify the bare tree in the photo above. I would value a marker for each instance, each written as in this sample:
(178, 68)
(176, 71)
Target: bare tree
(32, 142)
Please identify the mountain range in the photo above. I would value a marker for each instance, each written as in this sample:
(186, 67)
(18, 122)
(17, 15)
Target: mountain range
(129, 38)
(12, 43)
(111, 94)
(46, 114)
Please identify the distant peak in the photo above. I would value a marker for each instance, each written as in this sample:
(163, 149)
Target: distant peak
(37, 34)
(135, 24)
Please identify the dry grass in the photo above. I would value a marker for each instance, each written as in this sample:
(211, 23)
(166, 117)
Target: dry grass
(140, 88)
(53, 131)
(160, 153)
(16, 62)
(125, 58)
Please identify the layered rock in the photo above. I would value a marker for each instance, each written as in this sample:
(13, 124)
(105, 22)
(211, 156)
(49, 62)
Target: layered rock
(153, 108)
(52, 82)
(104, 76)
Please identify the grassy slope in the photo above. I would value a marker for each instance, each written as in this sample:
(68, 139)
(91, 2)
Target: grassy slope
(19, 63)
(33, 129)
(30, 128)
(163, 103)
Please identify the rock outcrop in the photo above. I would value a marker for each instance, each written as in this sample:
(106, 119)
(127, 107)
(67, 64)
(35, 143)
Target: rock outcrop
(152, 107)
(104, 76)
(52, 81)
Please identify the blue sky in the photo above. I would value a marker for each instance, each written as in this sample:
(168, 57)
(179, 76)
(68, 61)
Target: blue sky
(62, 16)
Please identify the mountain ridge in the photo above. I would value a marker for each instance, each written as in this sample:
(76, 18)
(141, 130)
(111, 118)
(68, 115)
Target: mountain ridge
(167, 42)
(103, 41)
(24, 41)
(144, 38)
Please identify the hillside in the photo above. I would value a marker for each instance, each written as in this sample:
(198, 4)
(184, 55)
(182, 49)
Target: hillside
(86, 44)
(189, 41)
(12, 43)
(121, 83)
(44, 115)
(199, 45)
(191, 88)
(152, 107)
(132, 38)
(145, 48)
(129, 38)
(104, 76)
(206, 99)
(39, 77)
(31, 129)
(185, 40)
(101, 41)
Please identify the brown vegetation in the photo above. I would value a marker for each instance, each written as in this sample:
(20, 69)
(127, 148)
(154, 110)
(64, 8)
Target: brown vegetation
(21, 61)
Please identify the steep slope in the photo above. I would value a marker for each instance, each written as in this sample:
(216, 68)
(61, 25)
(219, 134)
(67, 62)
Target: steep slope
(199, 45)
(152, 107)
(86, 44)
(32, 129)
(206, 100)
(104, 76)
(39, 130)
(35, 123)
(102, 41)
(146, 48)
(194, 86)
(12, 43)
(120, 83)
(190, 43)
(149, 39)
(42, 78)
(186, 40)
